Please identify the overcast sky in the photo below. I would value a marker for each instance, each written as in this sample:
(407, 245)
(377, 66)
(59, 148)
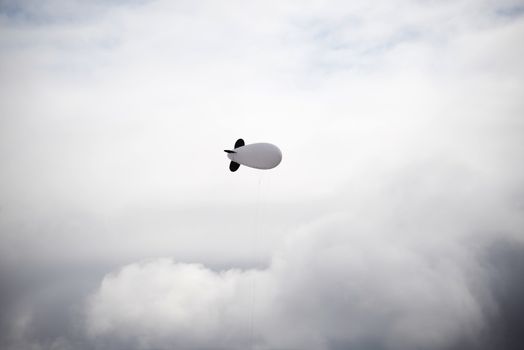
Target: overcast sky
(395, 220)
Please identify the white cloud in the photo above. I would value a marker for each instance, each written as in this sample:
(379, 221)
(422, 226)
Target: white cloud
(330, 285)
(118, 121)
(392, 270)
(160, 303)
(401, 119)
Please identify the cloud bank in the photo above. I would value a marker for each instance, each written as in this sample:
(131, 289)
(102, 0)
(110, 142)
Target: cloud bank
(402, 278)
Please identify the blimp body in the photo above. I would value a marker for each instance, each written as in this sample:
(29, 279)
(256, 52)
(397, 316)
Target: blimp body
(255, 155)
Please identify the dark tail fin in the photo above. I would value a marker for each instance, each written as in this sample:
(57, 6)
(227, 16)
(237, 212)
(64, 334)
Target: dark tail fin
(233, 166)
(239, 143)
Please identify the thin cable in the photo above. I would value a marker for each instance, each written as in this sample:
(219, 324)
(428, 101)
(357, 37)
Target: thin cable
(254, 255)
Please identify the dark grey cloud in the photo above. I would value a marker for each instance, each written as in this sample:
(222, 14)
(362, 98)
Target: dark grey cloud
(504, 314)
(42, 303)
(56, 313)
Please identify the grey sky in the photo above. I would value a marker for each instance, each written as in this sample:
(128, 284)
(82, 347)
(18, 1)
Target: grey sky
(393, 222)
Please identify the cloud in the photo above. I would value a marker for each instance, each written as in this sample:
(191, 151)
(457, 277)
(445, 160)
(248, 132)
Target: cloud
(410, 275)
(124, 136)
(161, 304)
(326, 289)
(401, 127)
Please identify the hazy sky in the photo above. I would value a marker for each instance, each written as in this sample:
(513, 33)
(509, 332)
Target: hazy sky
(395, 220)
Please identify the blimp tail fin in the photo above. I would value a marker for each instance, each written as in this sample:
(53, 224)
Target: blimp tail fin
(239, 143)
(233, 166)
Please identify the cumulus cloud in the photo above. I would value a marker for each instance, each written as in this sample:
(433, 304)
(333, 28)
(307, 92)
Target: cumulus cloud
(326, 290)
(411, 275)
(161, 304)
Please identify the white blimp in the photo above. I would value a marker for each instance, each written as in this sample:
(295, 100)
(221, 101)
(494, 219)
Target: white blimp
(255, 155)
